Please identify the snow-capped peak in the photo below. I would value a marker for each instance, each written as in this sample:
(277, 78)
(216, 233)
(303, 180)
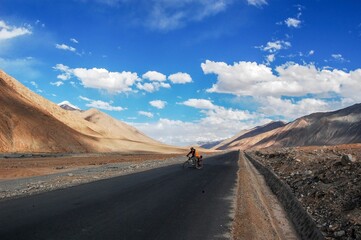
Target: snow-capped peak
(68, 106)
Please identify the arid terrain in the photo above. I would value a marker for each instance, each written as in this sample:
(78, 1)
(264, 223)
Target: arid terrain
(327, 182)
(14, 168)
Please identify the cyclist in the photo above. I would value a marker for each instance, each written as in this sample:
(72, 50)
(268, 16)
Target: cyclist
(193, 153)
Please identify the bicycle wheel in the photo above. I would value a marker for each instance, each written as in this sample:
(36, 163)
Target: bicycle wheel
(186, 164)
(199, 165)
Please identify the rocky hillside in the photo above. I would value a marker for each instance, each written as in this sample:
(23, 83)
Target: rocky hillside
(326, 181)
(329, 128)
(248, 134)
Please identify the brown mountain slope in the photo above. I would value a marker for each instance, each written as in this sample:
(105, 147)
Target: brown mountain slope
(30, 123)
(28, 127)
(248, 134)
(118, 134)
(330, 128)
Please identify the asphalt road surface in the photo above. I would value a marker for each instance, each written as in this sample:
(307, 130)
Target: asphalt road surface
(164, 203)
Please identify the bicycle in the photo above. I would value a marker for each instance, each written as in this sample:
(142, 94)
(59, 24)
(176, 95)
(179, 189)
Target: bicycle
(193, 162)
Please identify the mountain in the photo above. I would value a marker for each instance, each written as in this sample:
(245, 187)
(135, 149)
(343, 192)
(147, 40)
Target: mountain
(248, 134)
(209, 145)
(31, 123)
(330, 128)
(68, 106)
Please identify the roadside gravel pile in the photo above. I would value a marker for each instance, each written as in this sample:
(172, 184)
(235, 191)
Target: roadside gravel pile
(32, 185)
(326, 181)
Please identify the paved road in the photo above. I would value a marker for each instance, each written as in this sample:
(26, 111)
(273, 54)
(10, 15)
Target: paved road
(164, 203)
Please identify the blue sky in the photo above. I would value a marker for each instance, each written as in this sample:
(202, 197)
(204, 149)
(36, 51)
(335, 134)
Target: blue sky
(184, 71)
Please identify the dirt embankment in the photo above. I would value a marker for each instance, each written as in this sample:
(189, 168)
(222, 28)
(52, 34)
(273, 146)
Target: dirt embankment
(326, 181)
(258, 213)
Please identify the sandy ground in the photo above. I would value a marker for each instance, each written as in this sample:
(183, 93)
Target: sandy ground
(258, 213)
(14, 168)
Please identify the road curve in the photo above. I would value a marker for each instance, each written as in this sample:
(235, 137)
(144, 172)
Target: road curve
(163, 203)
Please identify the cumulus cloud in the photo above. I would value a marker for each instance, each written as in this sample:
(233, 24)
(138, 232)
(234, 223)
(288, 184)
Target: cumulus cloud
(101, 104)
(65, 47)
(290, 79)
(238, 79)
(158, 104)
(218, 123)
(199, 103)
(180, 78)
(291, 109)
(100, 78)
(147, 114)
(293, 22)
(8, 32)
(154, 76)
(271, 58)
(257, 3)
(152, 86)
(66, 72)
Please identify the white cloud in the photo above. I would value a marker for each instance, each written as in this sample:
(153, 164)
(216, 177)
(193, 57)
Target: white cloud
(339, 57)
(152, 86)
(67, 72)
(8, 32)
(154, 76)
(257, 3)
(180, 78)
(58, 83)
(158, 104)
(74, 40)
(290, 109)
(34, 84)
(101, 104)
(199, 103)
(311, 52)
(271, 58)
(275, 46)
(218, 123)
(147, 114)
(257, 80)
(293, 22)
(100, 78)
(85, 98)
(238, 79)
(65, 47)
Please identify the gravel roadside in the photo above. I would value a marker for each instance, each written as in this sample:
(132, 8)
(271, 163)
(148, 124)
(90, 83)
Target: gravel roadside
(32, 185)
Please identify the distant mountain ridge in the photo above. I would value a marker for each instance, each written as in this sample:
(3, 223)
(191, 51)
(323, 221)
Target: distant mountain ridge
(210, 144)
(329, 128)
(31, 123)
(250, 133)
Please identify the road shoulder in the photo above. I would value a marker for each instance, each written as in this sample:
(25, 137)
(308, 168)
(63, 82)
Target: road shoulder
(259, 215)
